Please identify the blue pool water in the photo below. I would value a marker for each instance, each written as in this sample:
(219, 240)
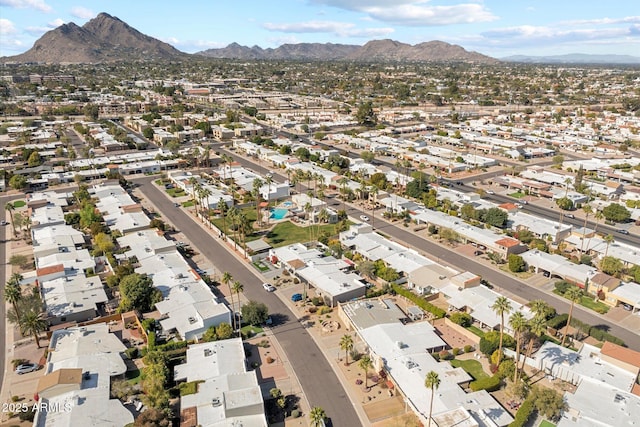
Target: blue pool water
(287, 204)
(278, 213)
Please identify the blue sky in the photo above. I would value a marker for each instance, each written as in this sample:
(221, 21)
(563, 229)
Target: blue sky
(493, 27)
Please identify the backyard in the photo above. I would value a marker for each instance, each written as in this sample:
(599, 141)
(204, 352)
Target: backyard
(286, 233)
(471, 366)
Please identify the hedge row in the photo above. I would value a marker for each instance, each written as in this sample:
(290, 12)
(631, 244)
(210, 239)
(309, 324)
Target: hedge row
(558, 322)
(490, 384)
(523, 414)
(437, 312)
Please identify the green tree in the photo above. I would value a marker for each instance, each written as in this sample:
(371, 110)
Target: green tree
(18, 260)
(496, 217)
(32, 323)
(565, 203)
(548, 402)
(34, 159)
(238, 288)
(518, 324)
(573, 294)
(18, 182)
(346, 344)
(10, 208)
(137, 293)
(104, 242)
(367, 156)
(558, 160)
(537, 326)
(227, 278)
(255, 313)
(365, 114)
(317, 416)
(611, 265)
(432, 382)
(210, 334)
(501, 306)
(224, 331)
(365, 364)
(13, 295)
(616, 212)
(148, 132)
(516, 263)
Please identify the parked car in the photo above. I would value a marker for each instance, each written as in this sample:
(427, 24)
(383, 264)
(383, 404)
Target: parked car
(491, 192)
(623, 231)
(3, 222)
(25, 368)
(570, 216)
(268, 287)
(296, 297)
(518, 205)
(364, 218)
(177, 205)
(626, 306)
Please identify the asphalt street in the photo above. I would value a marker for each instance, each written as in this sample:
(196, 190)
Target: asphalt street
(318, 380)
(5, 231)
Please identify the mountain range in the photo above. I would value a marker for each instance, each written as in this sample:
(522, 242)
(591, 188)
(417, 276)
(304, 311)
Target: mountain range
(375, 50)
(574, 58)
(106, 38)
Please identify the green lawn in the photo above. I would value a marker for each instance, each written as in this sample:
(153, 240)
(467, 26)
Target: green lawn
(133, 377)
(187, 204)
(249, 213)
(479, 332)
(517, 195)
(587, 301)
(286, 233)
(472, 367)
(176, 192)
(249, 331)
(546, 423)
(19, 203)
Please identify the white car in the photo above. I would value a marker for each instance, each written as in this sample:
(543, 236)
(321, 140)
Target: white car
(364, 218)
(518, 205)
(491, 192)
(268, 287)
(25, 368)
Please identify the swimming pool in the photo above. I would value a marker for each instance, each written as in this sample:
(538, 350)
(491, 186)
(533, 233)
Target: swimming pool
(278, 213)
(287, 204)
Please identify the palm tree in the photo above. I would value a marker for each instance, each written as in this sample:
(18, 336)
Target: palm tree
(343, 181)
(227, 278)
(222, 207)
(573, 294)
(608, 240)
(501, 306)
(204, 196)
(9, 207)
(233, 215)
(373, 191)
(432, 382)
(32, 324)
(346, 344)
(598, 216)
(317, 416)
(237, 288)
(13, 295)
(541, 308)
(257, 185)
(365, 364)
(537, 326)
(587, 210)
(518, 324)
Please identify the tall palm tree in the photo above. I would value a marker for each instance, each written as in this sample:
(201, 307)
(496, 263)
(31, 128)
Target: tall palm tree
(9, 207)
(205, 193)
(257, 185)
(317, 416)
(222, 207)
(598, 216)
(237, 288)
(308, 209)
(346, 344)
(501, 306)
(609, 239)
(587, 210)
(541, 308)
(432, 382)
(13, 295)
(233, 216)
(365, 364)
(537, 326)
(373, 191)
(268, 181)
(227, 278)
(343, 184)
(518, 324)
(32, 324)
(573, 294)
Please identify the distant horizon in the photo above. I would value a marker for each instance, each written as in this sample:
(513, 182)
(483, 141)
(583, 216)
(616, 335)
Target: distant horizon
(490, 27)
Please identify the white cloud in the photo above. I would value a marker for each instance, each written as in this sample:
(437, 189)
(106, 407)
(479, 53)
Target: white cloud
(604, 21)
(191, 46)
(27, 4)
(7, 27)
(38, 31)
(415, 13)
(342, 29)
(82, 12)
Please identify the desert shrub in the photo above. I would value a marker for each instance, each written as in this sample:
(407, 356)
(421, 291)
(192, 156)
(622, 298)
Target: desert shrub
(455, 351)
(468, 348)
(132, 353)
(295, 413)
(558, 322)
(324, 310)
(523, 414)
(462, 319)
(506, 368)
